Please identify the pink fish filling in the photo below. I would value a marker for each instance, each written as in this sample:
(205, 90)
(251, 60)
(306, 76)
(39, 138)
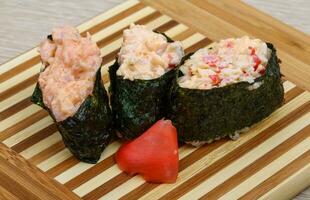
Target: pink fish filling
(71, 64)
(225, 62)
(147, 55)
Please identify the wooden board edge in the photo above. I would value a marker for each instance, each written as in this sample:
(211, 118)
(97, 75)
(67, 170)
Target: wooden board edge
(23, 170)
(292, 186)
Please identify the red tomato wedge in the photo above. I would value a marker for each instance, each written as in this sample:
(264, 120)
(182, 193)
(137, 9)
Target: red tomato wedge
(154, 154)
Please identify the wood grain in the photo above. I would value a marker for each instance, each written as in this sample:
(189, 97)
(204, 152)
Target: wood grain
(36, 137)
(22, 124)
(254, 167)
(267, 185)
(226, 169)
(25, 181)
(5, 194)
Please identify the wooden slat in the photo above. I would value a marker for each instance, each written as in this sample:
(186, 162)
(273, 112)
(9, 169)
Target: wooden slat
(94, 171)
(118, 34)
(254, 167)
(63, 166)
(28, 182)
(41, 147)
(46, 153)
(94, 29)
(20, 68)
(19, 116)
(292, 93)
(257, 178)
(277, 178)
(5, 194)
(22, 124)
(15, 98)
(15, 108)
(11, 185)
(36, 137)
(298, 180)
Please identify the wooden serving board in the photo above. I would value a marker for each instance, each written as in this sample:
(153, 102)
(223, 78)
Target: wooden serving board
(270, 161)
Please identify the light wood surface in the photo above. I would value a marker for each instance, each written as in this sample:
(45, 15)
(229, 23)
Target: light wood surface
(264, 162)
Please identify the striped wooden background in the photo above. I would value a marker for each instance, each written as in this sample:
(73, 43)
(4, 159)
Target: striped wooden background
(270, 161)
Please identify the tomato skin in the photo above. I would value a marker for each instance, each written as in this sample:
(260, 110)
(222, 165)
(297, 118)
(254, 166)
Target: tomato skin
(154, 154)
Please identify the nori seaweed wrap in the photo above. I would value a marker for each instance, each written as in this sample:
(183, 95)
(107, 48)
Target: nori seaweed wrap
(87, 130)
(137, 104)
(206, 115)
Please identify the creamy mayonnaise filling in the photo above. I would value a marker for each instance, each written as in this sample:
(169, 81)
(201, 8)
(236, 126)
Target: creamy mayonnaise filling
(71, 64)
(147, 55)
(225, 62)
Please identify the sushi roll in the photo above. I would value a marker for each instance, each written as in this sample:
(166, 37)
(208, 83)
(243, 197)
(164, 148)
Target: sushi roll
(224, 88)
(70, 88)
(140, 79)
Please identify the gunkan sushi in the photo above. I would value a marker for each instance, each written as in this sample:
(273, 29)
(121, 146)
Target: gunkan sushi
(70, 88)
(140, 79)
(222, 89)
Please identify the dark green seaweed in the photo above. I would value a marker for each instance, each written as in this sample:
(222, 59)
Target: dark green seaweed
(89, 130)
(138, 104)
(205, 115)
